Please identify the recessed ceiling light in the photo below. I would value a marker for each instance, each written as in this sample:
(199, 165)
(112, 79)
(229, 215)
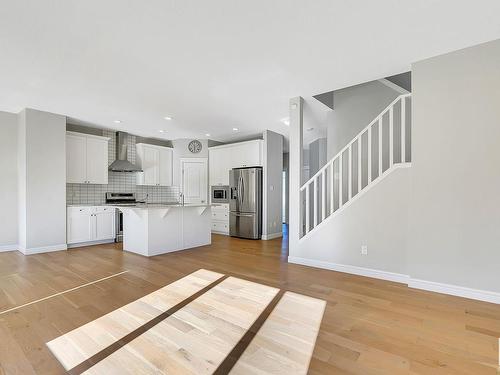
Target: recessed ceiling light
(168, 118)
(117, 121)
(235, 129)
(286, 121)
(161, 131)
(207, 135)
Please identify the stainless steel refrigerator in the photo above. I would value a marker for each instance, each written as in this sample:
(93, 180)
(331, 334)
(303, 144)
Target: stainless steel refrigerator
(245, 204)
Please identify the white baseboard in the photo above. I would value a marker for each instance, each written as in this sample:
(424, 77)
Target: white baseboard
(432, 286)
(43, 249)
(361, 271)
(13, 247)
(455, 290)
(272, 236)
(91, 243)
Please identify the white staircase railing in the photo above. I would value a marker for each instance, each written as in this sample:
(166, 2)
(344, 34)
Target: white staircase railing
(372, 153)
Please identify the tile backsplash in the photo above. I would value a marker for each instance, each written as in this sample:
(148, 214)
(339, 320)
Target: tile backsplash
(119, 182)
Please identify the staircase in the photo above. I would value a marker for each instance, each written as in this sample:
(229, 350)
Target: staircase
(380, 148)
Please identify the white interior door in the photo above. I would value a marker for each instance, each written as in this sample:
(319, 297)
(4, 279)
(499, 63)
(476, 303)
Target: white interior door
(194, 180)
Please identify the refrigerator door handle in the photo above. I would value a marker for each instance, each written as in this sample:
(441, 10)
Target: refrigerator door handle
(239, 214)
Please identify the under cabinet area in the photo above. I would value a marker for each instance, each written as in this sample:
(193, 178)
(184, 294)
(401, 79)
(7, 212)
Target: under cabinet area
(235, 155)
(90, 224)
(156, 163)
(86, 158)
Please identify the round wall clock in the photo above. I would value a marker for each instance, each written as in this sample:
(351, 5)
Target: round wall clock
(195, 146)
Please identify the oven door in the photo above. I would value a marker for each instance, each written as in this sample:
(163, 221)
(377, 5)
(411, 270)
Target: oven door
(119, 226)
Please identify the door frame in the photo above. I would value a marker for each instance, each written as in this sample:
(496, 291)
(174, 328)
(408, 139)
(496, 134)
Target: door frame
(196, 160)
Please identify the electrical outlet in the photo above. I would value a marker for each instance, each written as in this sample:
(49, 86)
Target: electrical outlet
(364, 250)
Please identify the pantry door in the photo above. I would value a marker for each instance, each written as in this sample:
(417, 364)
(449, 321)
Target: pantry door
(194, 180)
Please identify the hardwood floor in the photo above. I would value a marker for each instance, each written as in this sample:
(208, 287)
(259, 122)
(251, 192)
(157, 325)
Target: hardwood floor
(369, 326)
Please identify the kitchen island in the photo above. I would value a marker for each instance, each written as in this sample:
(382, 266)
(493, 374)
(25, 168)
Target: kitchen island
(154, 229)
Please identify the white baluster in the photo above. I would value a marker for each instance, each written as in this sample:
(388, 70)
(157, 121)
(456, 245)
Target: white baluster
(403, 129)
(332, 181)
(391, 136)
(340, 179)
(323, 195)
(380, 146)
(349, 178)
(359, 162)
(370, 154)
(308, 209)
(315, 203)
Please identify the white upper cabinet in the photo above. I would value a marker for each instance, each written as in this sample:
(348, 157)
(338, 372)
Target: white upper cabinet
(236, 155)
(156, 163)
(86, 159)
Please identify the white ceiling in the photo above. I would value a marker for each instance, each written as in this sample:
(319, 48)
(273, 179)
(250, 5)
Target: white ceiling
(214, 65)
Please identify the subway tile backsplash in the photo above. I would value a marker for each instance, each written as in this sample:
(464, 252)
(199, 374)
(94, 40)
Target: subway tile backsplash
(119, 182)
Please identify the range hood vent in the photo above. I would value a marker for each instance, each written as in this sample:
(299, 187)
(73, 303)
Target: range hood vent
(121, 164)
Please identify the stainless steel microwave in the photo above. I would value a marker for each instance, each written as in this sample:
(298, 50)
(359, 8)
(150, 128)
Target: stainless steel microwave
(220, 194)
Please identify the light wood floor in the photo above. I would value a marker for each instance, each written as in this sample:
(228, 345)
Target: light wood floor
(369, 326)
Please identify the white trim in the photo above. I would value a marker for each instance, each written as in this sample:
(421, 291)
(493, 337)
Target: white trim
(393, 86)
(361, 271)
(272, 236)
(64, 291)
(455, 290)
(431, 286)
(13, 247)
(236, 143)
(90, 243)
(78, 134)
(43, 249)
(357, 196)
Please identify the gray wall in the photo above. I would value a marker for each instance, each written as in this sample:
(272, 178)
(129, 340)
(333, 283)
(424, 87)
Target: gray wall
(455, 200)
(355, 108)
(273, 183)
(8, 183)
(377, 219)
(42, 180)
(317, 155)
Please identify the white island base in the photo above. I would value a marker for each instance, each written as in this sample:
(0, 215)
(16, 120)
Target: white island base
(152, 230)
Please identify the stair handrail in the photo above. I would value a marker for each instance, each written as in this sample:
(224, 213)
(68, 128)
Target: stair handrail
(355, 138)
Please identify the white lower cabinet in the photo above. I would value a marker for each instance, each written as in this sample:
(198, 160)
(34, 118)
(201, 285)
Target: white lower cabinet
(220, 219)
(89, 224)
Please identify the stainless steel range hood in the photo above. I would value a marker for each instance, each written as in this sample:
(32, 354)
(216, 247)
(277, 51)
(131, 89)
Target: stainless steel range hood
(121, 164)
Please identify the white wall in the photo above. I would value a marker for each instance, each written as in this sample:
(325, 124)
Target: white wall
(181, 151)
(8, 183)
(42, 181)
(272, 184)
(455, 200)
(378, 219)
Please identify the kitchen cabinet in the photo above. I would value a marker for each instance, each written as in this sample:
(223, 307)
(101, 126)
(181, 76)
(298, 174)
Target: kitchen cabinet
(220, 219)
(236, 155)
(156, 163)
(90, 223)
(86, 159)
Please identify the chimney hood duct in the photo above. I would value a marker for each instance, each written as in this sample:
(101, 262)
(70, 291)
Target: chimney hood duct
(121, 164)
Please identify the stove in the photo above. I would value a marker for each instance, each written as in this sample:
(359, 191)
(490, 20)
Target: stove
(123, 200)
